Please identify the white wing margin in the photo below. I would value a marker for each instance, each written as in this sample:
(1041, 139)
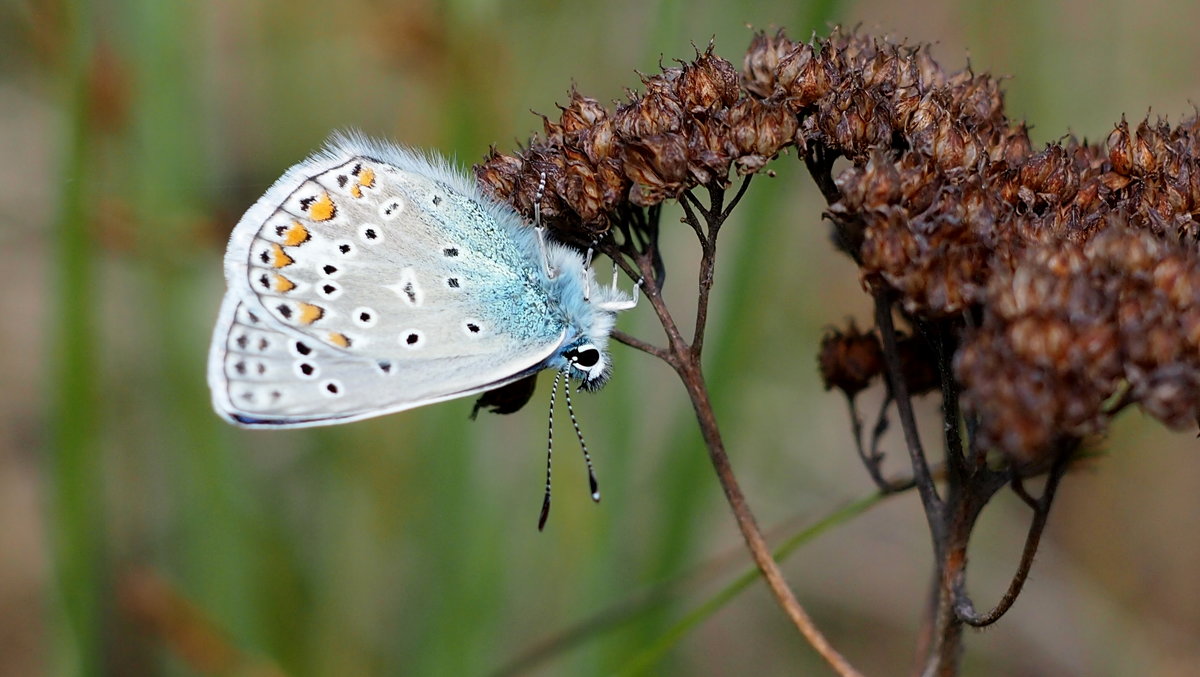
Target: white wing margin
(265, 376)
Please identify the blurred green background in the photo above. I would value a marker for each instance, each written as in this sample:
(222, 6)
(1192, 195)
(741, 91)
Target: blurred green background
(139, 535)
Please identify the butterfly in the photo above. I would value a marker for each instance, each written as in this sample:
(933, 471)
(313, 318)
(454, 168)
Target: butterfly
(371, 278)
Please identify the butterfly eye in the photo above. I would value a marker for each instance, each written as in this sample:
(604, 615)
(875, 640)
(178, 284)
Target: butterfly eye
(585, 357)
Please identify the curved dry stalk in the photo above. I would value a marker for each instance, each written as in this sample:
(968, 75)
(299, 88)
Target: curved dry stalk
(964, 608)
(685, 359)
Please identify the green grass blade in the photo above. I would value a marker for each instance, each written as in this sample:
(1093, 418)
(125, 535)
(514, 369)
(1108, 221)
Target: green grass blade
(643, 661)
(73, 467)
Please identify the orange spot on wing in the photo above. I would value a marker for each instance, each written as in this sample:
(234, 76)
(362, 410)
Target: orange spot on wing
(283, 284)
(279, 258)
(323, 208)
(296, 235)
(356, 191)
(366, 177)
(310, 313)
(340, 340)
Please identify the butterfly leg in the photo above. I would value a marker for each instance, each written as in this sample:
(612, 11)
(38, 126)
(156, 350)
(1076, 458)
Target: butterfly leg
(616, 306)
(637, 290)
(541, 230)
(551, 271)
(587, 275)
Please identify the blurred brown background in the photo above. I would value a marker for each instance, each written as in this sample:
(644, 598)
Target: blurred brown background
(141, 536)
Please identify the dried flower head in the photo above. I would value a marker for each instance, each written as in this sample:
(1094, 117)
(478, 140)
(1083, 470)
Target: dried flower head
(849, 360)
(1076, 263)
(688, 127)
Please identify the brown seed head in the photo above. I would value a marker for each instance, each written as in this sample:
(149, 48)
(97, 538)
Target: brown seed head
(849, 360)
(807, 77)
(880, 182)
(760, 67)
(657, 165)
(1145, 160)
(583, 188)
(1120, 149)
(499, 175)
(581, 114)
(708, 151)
(758, 131)
(954, 148)
(707, 84)
(659, 111)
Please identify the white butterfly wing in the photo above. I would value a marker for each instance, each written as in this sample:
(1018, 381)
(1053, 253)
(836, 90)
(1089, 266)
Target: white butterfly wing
(262, 375)
(381, 274)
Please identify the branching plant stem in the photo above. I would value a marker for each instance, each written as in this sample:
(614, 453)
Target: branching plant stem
(964, 608)
(639, 261)
(969, 482)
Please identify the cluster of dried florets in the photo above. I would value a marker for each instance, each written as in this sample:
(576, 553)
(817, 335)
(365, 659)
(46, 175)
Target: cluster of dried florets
(1077, 264)
(1080, 260)
(1074, 331)
(686, 130)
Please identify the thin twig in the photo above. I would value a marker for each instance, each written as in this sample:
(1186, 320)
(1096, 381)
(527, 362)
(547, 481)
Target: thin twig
(1018, 487)
(694, 382)
(689, 217)
(870, 460)
(690, 197)
(716, 204)
(819, 166)
(955, 460)
(737, 197)
(649, 348)
(623, 611)
(653, 294)
(707, 263)
(964, 608)
(934, 507)
(619, 258)
(716, 218)
(966, 498)
(881, 425)
(975, 451)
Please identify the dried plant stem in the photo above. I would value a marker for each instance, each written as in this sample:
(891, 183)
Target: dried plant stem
(872, 459)
(964, 608)
(951, 518)
(685, 359)
(645, 347)
(934, 507)
(955, 459)
(694, 382)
